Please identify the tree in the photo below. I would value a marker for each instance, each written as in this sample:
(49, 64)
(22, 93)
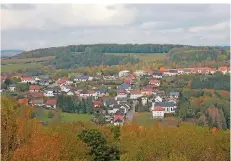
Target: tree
(22, 87)
(50, 114)
(8, 81)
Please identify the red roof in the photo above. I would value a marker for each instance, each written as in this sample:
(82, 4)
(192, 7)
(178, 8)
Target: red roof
(223, 68)
(51, 102)
(128, 80)
(122, 91)
(23, 101)
(118, 116)
(153, 81)
(27, 78)
(163, 70)
(136, 92)
(68, 87)
(34, 87)
(97, 103)
(3, 77)
(35, 94)
(158, 108)
(63, 80)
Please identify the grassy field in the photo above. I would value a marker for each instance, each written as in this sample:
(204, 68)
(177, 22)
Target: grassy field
(26, 60)
(145, 119)
(42, 114)
(15, 67)
(70, 117)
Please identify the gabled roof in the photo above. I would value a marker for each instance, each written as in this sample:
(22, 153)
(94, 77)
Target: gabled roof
(157, 74)
(23, 100)
(34, 87)
(173, 71)
(125, 86)
(51, 102)
(81, 77)
(158, 108)
(35, 94)
(37, 101)
(27, 78)
(174, 93)
(154, 81)
(165, 104)
(135, 92)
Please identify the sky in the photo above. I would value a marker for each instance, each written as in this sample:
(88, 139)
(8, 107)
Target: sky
(32, 26)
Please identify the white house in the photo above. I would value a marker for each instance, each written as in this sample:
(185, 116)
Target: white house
(113, 111)
(158, 112)
(158, 99)
(70, 93)
(49, 93)
(135, 94)
(144, 100)
(124, 73)
(140, 73)
(169, 107)
(27, 80)
(12, 87)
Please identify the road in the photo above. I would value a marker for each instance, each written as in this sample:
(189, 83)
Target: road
(131, 112)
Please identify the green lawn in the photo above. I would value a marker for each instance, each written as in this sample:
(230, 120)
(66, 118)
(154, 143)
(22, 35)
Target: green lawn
(15, 67)
(42, 114)
(144, 118)
(70, 117)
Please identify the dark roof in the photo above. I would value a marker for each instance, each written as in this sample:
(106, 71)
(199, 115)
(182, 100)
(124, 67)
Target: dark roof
(173, 71)
(125, 86)
(174, 93)
(81, 77)
(157, 73)
(12, 85)
(165, 104)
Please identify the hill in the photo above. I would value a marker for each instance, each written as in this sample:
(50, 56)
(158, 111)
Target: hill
(10, 53)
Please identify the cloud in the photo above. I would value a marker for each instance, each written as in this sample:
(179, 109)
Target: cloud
(37, 26)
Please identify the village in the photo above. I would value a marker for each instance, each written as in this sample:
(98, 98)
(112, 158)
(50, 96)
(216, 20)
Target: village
(117, 106)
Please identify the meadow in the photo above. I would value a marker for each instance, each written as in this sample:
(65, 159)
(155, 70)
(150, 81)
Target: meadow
(15, 67)
(25, 60)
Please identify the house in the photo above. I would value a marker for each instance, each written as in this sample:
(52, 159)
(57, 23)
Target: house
(112, 111)
(128, 80)
(70, 93)
(124, 108)
(35, 94)
(158, 99)
(157, 75)
(84, 94)
(12, 87)
(174, 95)
(118, 119)
(44, 82)
(27, 80)
(158, 112)
(102, 92)
(144, 101)
(122, 93)
(121, 100)
(140, 73)
(109, 101)
(172, 72)
(146, 91)
(187, 71)
(126, 87)
(34, 88)
(51, 103)
(63, 81)
(124, 73)
(223, 69)
(49, 93)
(180, 71)
(3, 78)
(154, 82)
(23, 101)
(97, 103)
(65, 88)
(135, 94)
(56, 90)
(82, 78)
(169, 107)
(37, 102)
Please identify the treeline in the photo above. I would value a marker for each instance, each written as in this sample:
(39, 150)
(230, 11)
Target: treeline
(198, 54)
(73, 60)
(109, 48)
(217, 82)
(24, 138)
(72, 104)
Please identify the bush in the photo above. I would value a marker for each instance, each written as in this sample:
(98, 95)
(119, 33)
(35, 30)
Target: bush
(50, 114)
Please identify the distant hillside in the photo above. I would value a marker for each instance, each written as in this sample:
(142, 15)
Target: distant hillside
(11, 52)
(101, 48)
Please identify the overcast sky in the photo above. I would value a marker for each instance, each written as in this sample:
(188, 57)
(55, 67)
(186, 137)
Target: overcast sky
(38, 26)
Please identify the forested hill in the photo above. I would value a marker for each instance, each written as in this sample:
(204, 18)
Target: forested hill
(104, 48)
